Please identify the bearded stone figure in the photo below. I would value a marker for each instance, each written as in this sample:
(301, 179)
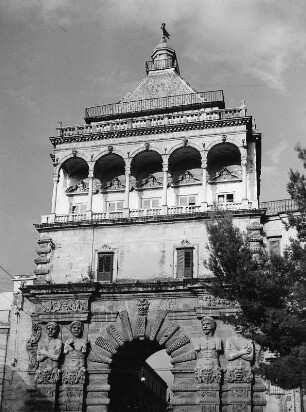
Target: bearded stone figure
(208, 347)
(75, 352)
(48, 353)
(240, 354)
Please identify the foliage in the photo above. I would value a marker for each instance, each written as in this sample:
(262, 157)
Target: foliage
(271, 290)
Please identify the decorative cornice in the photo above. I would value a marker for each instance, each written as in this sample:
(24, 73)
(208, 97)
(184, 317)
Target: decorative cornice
(205, 124)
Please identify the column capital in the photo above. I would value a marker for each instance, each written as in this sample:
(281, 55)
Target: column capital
(56, 178)
(165, 167)
(127, 169)
(90, 174)
(244, 161)
(204, 164)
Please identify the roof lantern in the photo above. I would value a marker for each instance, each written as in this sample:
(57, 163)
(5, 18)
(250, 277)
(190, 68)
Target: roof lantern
(163, 56)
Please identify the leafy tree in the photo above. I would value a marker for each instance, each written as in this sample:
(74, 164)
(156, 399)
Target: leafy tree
(271, 290)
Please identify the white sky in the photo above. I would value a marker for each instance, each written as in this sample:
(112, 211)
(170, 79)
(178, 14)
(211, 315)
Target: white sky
(59, 56)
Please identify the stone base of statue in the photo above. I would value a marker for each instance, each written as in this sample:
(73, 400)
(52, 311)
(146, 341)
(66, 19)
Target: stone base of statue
(46, 390)
(71, 397)
(209, 389)
(239, 390)
(209, 397)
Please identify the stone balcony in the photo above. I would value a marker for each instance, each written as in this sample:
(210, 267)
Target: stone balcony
(151, 121)
(171, 212)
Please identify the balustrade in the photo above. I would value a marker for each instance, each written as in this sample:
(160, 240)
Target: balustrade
(273, 207)
(152, 121)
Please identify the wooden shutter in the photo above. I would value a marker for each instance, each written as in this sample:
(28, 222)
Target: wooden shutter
(180, 263)
(105, 267)
(188, 263)
(184, 263)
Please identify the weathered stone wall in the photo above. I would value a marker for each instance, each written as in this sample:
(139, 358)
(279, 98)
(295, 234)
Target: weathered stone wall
(141, 251)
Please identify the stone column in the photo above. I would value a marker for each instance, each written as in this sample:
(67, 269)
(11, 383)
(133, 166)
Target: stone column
(244, 182)
(165, 187)
(90, 191)
(204, 184)
(126, 211)
(54, 194)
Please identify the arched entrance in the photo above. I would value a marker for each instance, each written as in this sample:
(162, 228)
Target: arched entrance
(127, 343)
(135, 386)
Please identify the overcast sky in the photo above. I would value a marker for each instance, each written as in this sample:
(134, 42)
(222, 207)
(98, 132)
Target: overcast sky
(59, 56)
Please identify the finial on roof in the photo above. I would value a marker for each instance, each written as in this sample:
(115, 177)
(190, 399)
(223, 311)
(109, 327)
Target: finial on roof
(165, 33)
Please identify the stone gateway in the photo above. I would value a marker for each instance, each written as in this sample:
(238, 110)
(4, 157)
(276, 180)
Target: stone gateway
(121, 269)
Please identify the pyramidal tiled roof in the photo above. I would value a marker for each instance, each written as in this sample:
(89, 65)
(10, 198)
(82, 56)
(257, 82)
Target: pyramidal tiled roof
(160, 83)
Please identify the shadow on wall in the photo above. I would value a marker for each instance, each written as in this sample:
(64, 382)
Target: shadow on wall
(19, 397)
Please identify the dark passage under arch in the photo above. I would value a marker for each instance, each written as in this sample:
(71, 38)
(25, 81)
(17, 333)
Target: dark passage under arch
(134, 385)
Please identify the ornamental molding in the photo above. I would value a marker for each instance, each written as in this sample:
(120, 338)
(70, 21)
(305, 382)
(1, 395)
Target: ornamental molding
(225, 175)
(65, 305)
(149, 182)
(212, 301)
(32, 345)
(151, 130)
(185, 179)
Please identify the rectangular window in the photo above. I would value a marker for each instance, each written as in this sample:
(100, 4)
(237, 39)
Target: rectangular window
(150, 203)
(226, 197)
(114, 206)
(78, 208)
(274, 245)
(187, 200)
(185, 263)
(105, 267)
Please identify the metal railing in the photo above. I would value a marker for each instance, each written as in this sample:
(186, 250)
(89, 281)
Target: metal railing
(167, 103)
(279, 206)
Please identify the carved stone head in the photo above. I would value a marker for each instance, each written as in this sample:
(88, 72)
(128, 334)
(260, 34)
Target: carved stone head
(208, 325)
(77, 328)
(52, 329)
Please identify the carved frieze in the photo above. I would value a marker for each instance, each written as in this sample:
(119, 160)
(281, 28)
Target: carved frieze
(208, 408)
(74, 377)
(47, 376)
(212, 301)
(225, 175)
(208, 375)
(72, 392)
(186, 178)
(149, 182)
(239, 375)
(32, 345)
(167, 304)
(65, 305)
